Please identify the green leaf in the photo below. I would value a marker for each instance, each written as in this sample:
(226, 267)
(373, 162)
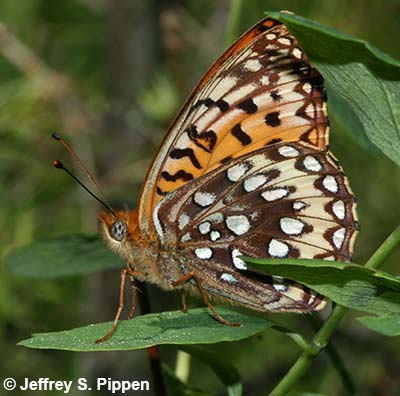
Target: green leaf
(386, 325)
(343, 119)
(364, 77)
(225, 371)
(197, 326)
(350, 285)
(68, 255)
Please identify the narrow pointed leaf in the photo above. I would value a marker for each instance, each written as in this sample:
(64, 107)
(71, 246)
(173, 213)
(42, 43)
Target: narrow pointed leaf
(386, 325)
(197, 326)
(69, 255)
(350, 285)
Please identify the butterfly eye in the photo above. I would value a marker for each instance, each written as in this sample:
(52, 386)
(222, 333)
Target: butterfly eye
(118, 230)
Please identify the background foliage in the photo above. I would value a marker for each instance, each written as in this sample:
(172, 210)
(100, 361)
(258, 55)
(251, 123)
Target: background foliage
(110, 76)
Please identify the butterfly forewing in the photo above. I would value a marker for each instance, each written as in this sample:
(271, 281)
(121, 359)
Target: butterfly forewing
(261, 91)
(283, 200)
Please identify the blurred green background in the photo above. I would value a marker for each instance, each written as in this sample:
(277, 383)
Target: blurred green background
(109, 76)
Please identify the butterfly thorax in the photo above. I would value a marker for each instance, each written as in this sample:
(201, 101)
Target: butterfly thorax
(122, 235)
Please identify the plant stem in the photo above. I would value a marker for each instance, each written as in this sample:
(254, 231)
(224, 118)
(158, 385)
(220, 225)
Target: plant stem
(384, 251)
(302, 364)
(323, 336)
(232, 28)
(335, 359)
(182, 368)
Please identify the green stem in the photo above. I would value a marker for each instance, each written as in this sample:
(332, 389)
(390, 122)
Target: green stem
(322, 337)
(232, 28)
(385, 250)
(182, 367)
(335, 359)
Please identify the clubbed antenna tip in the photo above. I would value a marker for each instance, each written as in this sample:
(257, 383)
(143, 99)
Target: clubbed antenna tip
(56, 136)
(59, 165)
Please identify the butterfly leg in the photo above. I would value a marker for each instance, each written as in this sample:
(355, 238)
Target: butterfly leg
(217, 316)
(133, 294)
(184, 301)
(124, 272)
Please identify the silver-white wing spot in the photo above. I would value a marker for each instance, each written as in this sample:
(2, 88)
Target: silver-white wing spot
(339, 209)
(284, 41)
(186, 237)
(298, 205)
(204, 198)
(215, 235)
(277, 248)
(205, 227)
(312, 164)
(297, 53)
(252, 65)
(237, 261)
(228, 278)
(236, 172)
(203, 253)
(338, 237)
(254, 182)
(275, 194)
(330, 184)
(291, 226)
(183, 221)
(288, 151)
(279, 284)
(307, 88)
(239, 224)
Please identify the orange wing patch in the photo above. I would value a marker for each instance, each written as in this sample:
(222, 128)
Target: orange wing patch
(262, 90)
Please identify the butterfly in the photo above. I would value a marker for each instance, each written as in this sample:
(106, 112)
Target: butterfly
(244, 170)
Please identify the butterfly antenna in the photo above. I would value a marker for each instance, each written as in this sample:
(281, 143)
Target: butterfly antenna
(59, 165)
(103, 201)
(56, 136)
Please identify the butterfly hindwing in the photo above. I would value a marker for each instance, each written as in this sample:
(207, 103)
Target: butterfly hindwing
(283, 200)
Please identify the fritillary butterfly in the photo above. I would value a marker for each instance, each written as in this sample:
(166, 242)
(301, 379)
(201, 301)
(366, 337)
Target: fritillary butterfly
(243, 170)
